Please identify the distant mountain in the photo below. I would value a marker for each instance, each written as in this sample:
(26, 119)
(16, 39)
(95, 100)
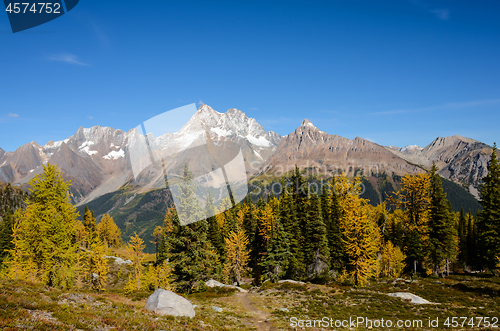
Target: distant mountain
(462, 160)
(325, 154)
(96, 159)
(97, 162)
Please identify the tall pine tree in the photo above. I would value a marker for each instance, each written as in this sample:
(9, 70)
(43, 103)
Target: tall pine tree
(193, 257)
(488, 225)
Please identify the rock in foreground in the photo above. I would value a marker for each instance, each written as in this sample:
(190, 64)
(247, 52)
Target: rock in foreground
(164, 302)
(412, 298)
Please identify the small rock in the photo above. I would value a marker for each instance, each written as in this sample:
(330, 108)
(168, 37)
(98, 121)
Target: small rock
(284, 309)
(290, 281)
(217, 309)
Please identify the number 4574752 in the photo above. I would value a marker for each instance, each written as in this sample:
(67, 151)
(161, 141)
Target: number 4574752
(35, 8)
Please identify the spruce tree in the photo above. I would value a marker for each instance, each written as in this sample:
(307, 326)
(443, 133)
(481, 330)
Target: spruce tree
(463, 255)
(277, 256)
(191, 253)
(293, 234)
(6, 232)
(316, 244)
(488, 225)
(471, 242)
(442, 241)
(214, 233)
(11, 199)
(334, 235)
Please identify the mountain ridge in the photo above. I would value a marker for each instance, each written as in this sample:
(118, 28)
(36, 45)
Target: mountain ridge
(95, 159)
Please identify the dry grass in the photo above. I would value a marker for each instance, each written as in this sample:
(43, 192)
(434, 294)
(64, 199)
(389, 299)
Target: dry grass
(26, 306)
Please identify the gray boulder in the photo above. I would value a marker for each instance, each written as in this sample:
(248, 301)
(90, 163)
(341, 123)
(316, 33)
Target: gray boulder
(290, 281)
(118, 260)
(214, 283)
(412, 298)
(164, 302)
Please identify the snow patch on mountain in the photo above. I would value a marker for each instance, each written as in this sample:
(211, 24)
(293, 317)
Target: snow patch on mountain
(260, 141)
(85, 147)
(113, 155)
(221, 132)
(410, 148)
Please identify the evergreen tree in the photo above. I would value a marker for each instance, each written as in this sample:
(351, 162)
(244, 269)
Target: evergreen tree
(442, 241)
(6, 232)
(316, 244)
(488, 225)
(170, 227)
(214, 232)
(463, 245)
(293, 234)
(45, 248)
(11, 199)
(277, 257)
(193, 257)
(334, 235)
(471, 242)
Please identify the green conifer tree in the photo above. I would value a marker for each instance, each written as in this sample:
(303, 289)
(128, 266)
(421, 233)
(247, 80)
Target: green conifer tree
(193, 257)
(334, 235)
(488, 225)
(214, 233)
(291, 228)
(316, 244)
(442, 240)
(463, 255)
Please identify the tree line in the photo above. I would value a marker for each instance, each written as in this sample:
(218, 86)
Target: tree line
(322, 234)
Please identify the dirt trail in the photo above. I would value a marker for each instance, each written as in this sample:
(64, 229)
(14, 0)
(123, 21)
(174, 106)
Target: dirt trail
(260, 317)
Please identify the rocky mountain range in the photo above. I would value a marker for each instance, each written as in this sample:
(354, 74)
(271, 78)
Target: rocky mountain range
(325, 154)
(462, 160)
(97, 160)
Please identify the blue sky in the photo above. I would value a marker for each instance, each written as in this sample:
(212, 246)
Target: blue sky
(395, 72)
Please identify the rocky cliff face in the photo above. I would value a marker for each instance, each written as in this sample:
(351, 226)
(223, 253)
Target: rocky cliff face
(463, 160)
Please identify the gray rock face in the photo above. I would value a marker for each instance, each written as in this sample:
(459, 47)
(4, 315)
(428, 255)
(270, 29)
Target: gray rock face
(164, 302)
